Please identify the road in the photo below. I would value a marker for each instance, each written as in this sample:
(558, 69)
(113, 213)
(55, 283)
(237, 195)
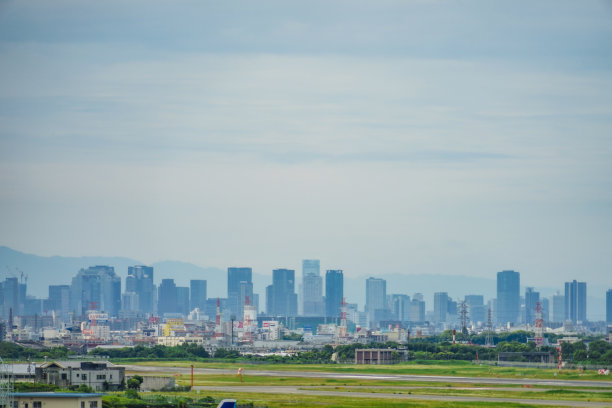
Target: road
(389, 377)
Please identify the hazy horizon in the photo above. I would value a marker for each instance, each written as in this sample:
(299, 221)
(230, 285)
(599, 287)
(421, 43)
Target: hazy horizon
(390, 137)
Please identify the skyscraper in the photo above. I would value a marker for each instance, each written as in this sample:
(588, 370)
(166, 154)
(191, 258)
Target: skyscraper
(417, 309)
(182, 299)
(440, 307)
(168, 297)
(558, 308)
(531, 300)
(97, 287)
(609, 306)
(376, 299)
(281, 299)
(59, 300)
(476, 308)
(11, 298)
(400, 307)
(140, 281)
(334, 292)
(236, 296)
(198, 294)
(575, 301)
(508, 297)
(312, 288)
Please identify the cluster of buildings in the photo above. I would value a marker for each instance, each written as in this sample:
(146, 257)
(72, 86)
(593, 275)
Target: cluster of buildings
(93, 310)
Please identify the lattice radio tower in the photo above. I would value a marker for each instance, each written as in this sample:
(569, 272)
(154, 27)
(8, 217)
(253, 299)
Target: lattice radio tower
(539, 326)
(489, 338)
(6, 385)
(463, 314)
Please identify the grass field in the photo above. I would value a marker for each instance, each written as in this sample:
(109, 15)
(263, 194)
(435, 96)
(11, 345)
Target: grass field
(445, 368)
(383, 392)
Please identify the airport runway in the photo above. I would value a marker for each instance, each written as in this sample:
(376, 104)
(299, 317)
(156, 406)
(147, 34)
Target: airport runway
(294, 390)
(252, 370)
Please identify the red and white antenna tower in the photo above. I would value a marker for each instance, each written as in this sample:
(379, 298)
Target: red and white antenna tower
(247, 322)
(539, 326)
(343, 329)
(218, 328)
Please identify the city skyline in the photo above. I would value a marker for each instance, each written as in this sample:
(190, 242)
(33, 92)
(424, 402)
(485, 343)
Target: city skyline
(410, 146)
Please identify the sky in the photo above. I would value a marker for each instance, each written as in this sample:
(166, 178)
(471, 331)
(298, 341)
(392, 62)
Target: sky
(442, 137)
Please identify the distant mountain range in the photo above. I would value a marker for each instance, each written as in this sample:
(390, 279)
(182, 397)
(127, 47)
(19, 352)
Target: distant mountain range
(55, 270)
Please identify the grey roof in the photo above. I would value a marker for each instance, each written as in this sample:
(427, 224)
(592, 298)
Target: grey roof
(56, 394)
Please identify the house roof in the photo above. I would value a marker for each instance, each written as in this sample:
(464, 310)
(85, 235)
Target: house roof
(56, 394)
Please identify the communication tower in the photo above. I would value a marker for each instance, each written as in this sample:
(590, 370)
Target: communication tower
(489, 338)
(6, 385)
(539, 326)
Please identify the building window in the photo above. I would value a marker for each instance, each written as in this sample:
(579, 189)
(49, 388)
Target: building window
(64, 376)
(93, 404)
(101, 377)
(84, 377)
(37, 404)
(82, 404)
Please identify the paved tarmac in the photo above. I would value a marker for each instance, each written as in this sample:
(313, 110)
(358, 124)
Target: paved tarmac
(294, 390)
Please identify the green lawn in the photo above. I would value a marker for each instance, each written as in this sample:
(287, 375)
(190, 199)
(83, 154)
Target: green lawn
(445, 368)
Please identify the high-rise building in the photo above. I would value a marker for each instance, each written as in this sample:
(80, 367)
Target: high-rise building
(545, 309)
(376, 299)
(312, 288)
(182, 298)
(400, 307)
(237, 292)
(531, 301)
(476, 309)
(334, 292)
(59, 300)
(576, 301)
(558, 308)
(11, 298)
(417, 309)
(281, 299)
(168, 297)
(197, 296)
(508, 297)
(440, 307)
(609, 306)
(97, 287)
(140, 281)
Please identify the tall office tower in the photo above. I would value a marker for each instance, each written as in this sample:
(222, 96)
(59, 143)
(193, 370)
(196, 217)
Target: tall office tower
(576, 301)
(140, 281)
(376, 299)
(10, 298)
(182, 298)
(531, 300)
(558, 308)
(236, 297)
(417, 310)
(168, 297)
(440, 307)
(508, 297)
(281, 299)
(59, 300)
(476, 308)
(197, 296)
(545, 310)
(334, 292)
(97, 287)
(609, 306)
(312, 288)
(400, 307)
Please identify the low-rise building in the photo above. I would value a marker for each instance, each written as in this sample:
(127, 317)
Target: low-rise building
(100, 376)
(56, 400)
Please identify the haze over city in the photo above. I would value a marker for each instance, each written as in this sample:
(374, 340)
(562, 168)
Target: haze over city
(394, 137)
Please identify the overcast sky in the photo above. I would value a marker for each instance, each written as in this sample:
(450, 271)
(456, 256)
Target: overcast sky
(451, 137)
